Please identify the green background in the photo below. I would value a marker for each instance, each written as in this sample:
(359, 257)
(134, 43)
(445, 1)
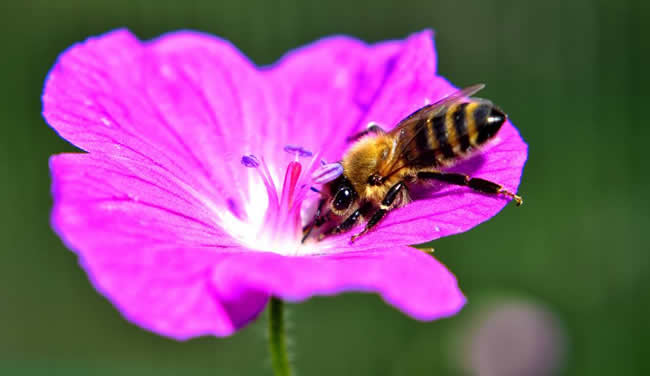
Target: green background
(571, 74)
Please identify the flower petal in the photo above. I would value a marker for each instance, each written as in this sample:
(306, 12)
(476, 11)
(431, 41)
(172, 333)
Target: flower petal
(187, 102)
(411, 83)
(446, 209)
(149, 248)
(332, 88)
(405, 277)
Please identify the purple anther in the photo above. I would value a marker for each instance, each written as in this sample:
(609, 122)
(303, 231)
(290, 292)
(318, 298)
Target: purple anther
(326, 173)
(298, 150)
(250, 161)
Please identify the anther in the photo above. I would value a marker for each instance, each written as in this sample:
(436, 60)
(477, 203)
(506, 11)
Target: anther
(327, 172)
(298, 150)
(250, 161)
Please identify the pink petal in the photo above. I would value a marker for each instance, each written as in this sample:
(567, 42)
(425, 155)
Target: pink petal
(411, 84)
(331, 89)
(405, 277)
(187, 102)
(149, 248)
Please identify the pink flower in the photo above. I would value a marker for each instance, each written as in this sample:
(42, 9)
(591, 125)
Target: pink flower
(184, 238)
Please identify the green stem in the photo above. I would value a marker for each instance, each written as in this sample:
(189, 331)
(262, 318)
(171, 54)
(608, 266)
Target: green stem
(278, 339)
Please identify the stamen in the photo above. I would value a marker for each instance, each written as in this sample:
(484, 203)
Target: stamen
(327, 172)
(298, 150)
(270, 187)
(276, 226)
(250, 161)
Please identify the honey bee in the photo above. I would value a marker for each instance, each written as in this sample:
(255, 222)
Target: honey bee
(380, 166)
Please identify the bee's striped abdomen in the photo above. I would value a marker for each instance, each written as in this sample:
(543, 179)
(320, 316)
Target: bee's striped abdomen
(441, 133)
(488, 119)
(457, 123)
(451, 134)
(471, 124)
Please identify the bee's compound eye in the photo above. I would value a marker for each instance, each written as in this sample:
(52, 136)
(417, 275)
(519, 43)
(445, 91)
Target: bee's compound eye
(343, 199)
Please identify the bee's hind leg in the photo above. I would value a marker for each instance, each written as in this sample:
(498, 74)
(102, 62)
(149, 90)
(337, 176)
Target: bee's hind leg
(477, 184)
(372, 127)
(384, 208)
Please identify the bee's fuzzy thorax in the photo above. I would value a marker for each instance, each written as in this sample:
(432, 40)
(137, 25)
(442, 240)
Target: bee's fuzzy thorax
(365, 158)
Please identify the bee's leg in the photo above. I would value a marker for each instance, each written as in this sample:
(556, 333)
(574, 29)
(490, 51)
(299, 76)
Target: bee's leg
(372, 128)
(317, 221)
(350, 221)
(347, 224)
(477, 184)
(384, 207)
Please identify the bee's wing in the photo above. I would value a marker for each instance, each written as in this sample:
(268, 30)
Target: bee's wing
(433, 109)
(403, 138)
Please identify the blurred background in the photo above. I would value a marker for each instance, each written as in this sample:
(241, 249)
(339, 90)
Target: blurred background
(558, 286)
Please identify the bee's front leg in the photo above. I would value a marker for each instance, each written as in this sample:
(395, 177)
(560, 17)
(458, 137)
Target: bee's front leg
(347, 224)
(350, 221)
(317, 221)
(384, 208)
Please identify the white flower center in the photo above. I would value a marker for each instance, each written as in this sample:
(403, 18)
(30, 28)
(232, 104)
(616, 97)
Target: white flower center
(272, 217)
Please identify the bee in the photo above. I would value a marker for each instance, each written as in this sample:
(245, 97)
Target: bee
(380, 166)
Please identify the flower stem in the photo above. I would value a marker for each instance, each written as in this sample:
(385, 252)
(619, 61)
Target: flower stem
(278, 339)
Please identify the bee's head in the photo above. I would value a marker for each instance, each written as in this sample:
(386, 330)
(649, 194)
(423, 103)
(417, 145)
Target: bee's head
(343, 195)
